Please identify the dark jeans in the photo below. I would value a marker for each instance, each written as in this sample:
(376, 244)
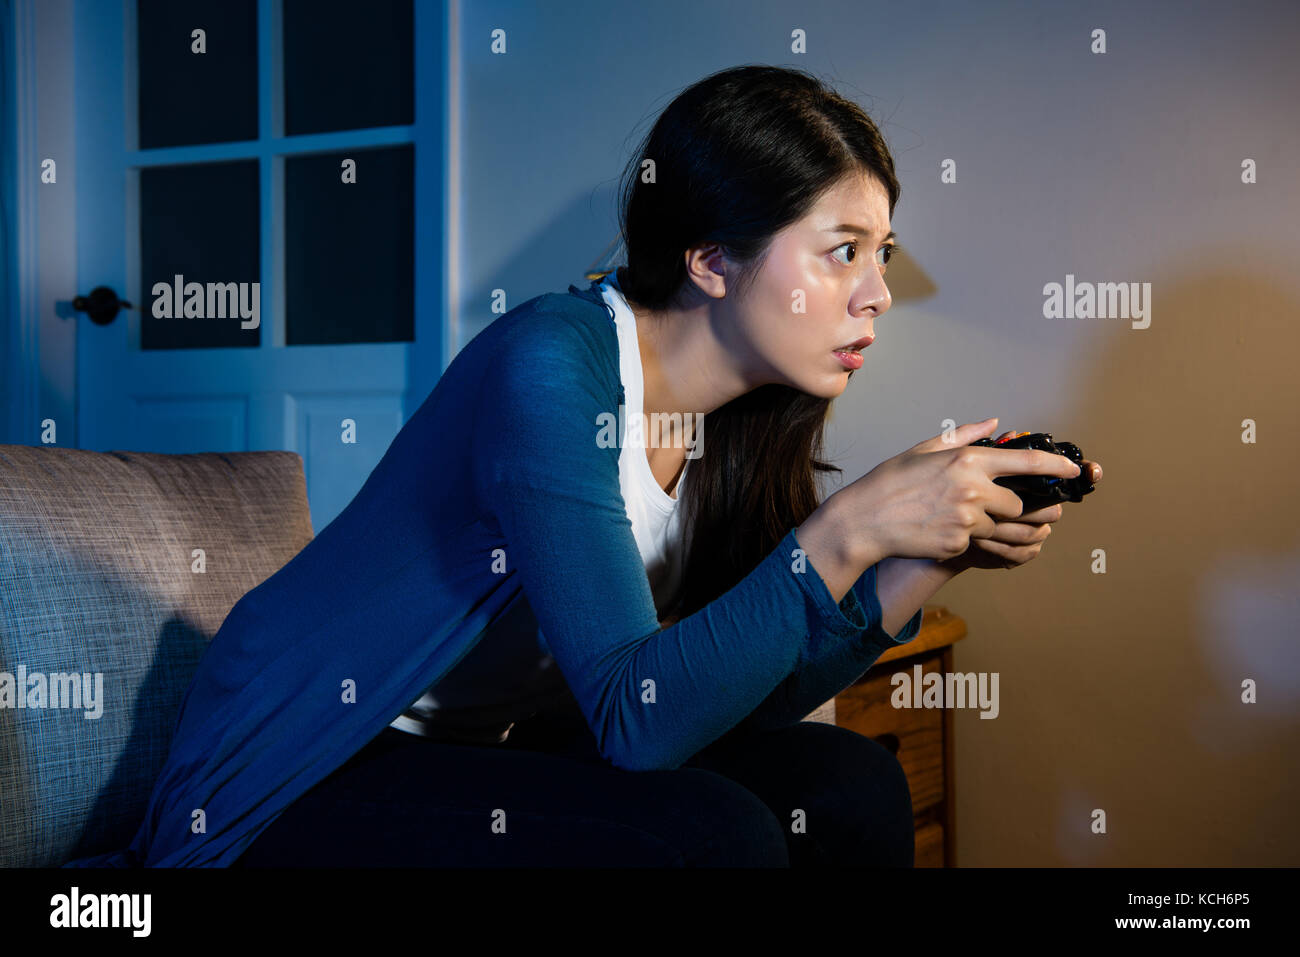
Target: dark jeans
(545, 798)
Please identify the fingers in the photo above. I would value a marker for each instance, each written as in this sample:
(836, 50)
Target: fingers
(1045, 463)
(1012, 553)
(1024, 462)
(1030, 462)
(1051, 513)
(1004, 503)
(962, 435)
(1016, 533)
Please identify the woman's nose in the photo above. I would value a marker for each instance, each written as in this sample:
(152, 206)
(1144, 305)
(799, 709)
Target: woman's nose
(873, 296)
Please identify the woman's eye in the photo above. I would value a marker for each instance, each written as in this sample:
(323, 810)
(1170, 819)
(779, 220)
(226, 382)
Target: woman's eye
(854, 247)
(883, 255)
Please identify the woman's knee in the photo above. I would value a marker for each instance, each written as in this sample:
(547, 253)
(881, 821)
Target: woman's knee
(847, 792)
(716, 822)
(869, 797)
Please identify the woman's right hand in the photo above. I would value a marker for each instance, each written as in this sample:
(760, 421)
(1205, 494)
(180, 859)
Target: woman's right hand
(929, 501)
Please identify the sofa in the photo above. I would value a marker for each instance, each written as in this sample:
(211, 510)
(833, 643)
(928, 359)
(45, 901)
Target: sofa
(116, 569)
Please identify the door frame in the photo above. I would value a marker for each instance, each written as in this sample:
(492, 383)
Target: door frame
(41, 358)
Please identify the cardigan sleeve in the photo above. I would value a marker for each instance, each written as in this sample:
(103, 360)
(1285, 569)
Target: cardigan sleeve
(838, 662)
(546, 474)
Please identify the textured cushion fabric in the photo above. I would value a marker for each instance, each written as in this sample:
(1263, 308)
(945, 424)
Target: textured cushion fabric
(101, 573)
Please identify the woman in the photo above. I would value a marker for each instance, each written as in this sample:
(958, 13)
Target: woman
(525, 644)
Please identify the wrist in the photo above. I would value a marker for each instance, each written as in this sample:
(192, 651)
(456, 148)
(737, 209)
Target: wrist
(904, 585)
(859, 547)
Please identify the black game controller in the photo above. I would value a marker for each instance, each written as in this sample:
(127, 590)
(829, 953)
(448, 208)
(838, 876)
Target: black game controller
(1041, 491)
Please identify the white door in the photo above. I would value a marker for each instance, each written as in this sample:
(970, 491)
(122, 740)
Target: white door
(261, 181)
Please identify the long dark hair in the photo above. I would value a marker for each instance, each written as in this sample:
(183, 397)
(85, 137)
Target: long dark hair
(737, 157)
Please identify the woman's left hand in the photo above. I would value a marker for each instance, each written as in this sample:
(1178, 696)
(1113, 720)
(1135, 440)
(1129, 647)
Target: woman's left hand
(1017, 540)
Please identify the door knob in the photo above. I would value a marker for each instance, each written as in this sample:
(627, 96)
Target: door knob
(101, 305)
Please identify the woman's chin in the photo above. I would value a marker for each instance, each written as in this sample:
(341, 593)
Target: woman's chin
(842, 384)
(827, 387)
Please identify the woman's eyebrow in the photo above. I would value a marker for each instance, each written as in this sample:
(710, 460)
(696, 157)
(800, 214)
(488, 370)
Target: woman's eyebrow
(860, 230)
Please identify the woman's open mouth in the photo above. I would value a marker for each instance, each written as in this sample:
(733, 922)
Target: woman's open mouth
(850, 359)
(851, 355)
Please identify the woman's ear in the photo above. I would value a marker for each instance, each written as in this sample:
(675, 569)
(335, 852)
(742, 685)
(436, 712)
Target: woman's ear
(708, 269)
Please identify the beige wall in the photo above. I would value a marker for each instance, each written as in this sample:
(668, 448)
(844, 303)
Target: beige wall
(1122, 690)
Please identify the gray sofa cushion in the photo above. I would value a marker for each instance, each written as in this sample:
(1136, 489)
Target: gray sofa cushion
(98, 576)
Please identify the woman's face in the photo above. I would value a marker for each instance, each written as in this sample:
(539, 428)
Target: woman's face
(819, 289)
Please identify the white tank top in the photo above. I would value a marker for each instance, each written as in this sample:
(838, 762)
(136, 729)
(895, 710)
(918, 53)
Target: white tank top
(655, 515)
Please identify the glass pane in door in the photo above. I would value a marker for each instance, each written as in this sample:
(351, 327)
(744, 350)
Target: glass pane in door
(186, 97)
(349, 246)
(200, 223)
(347, 65)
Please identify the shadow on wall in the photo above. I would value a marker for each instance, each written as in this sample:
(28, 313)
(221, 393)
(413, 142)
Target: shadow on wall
(1126, 692)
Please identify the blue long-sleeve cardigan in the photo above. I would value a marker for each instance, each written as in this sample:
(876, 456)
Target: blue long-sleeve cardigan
(316, 661)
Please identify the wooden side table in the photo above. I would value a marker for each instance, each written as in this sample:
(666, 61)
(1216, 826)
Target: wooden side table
(921, 738)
